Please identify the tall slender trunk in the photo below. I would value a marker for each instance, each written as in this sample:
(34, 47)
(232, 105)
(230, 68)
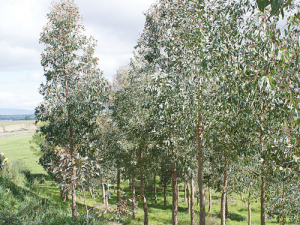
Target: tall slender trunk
(133, 198)
(263, 185)
(118, 189)
(283, 222)
(249, 206)
(200, 169)
(262, 201)
(209, 199)
(185, 187)
(188, 198)
(145, 207)
(144, 201)
(106, 192)
(175, 195)
(74, 204)
(72, 153)
(224, 195)
(103, 192)
(155, 196)
(192, 202)
(165, 193)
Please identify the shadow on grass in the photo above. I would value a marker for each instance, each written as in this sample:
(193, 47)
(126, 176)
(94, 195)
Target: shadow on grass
(232, 216)
(246, 210)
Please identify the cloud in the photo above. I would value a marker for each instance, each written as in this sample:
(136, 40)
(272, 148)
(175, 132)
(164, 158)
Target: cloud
(34, 77)
(116, 24)
(19, 101)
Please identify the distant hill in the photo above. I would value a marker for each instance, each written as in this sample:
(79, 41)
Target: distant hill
(8, 112)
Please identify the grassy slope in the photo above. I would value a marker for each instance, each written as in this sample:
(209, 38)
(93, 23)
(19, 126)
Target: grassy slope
(16, 146)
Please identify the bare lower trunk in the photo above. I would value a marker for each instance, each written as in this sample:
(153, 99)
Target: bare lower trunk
(175, 196)
(133, 198)
(155, 196)
(262, 202)
(224, 196)
(91, 193)
(263, 185)
(145, 207)
(283, 222)
(185, 188)
(74, 204)
(118, 190)
(249, 207)
(200, 169)
(103, 192)
(165, 193)
(106, 194)
(209, 199)
(192, 202)
(188, 199)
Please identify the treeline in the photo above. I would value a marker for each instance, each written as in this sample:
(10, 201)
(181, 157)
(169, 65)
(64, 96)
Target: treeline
(209, 96)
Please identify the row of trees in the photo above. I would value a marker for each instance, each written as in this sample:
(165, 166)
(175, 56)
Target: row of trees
(210, 94)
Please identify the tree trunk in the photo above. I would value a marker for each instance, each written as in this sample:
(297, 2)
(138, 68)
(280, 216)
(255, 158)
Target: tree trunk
(200, 168)
(262, 201)
(185, 187)
(72, 154)
(103, 192)
(133, 198)
(188, 198)
(118, 190)
(283, 222)
(263, 185)
(209, 199)
(155, 196)
(249, 207)
(192, 202)
(144, 201)
(91, 193)
(165, 193)
(175, 196)
(74, 204)
(223, 197)
(106, 194)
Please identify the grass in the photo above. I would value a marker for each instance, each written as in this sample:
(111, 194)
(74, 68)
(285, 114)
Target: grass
(16, 147)
(43, 191)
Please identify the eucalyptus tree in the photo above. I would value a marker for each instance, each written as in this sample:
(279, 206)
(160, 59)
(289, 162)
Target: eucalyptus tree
(74, 91)
(270, 100)
(132, 118)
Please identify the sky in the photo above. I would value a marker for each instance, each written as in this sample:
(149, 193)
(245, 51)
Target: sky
(115, 24)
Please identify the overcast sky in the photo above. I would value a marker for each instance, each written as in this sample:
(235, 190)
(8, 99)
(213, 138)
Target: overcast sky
(116, 24)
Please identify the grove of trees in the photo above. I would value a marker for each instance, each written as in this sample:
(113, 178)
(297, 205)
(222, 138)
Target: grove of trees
(211, 95)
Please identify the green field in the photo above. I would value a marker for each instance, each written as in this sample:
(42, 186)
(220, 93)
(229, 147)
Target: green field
(16, 147)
